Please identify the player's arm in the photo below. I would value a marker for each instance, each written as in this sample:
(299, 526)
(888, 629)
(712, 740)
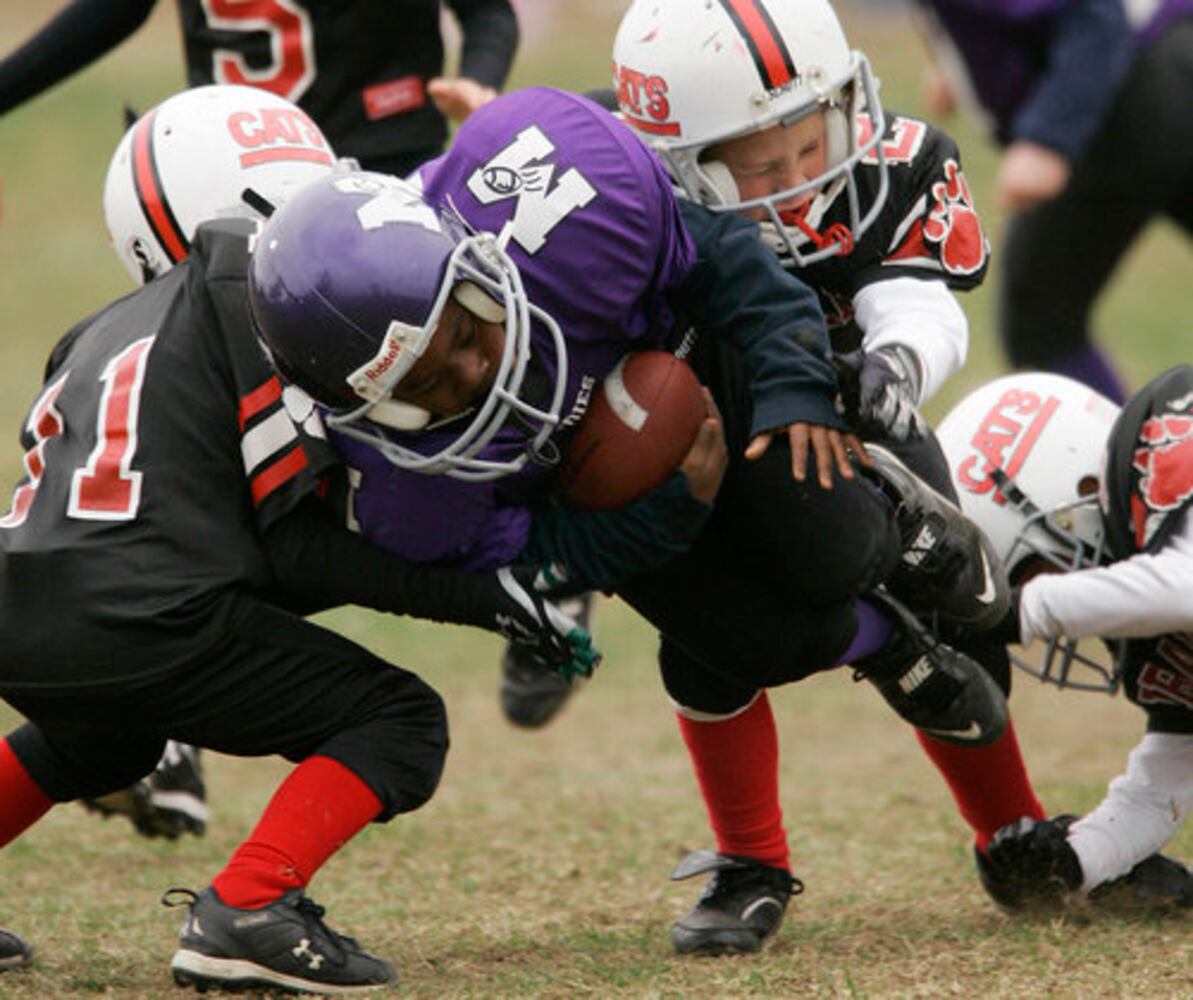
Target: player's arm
(1145, 595)
(319, 564)
(490, 39)
(78, 35)
(1068, 105)
(739, 290)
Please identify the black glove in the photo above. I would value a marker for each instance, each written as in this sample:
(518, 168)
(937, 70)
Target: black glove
(526, 618)
(879, 390)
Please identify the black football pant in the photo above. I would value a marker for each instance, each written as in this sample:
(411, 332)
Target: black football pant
(271, 684)
(1059, 256)
(766, 593)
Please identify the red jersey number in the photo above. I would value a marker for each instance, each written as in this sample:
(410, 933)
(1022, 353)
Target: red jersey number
(291, 42)
(106, 488)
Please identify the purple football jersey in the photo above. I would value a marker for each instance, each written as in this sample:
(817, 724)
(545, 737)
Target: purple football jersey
(591, 222)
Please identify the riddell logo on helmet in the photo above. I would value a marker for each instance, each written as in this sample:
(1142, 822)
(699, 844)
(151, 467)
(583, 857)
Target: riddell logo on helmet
(384, 361)
(273, 134)
(1005, 438)
(643, 101)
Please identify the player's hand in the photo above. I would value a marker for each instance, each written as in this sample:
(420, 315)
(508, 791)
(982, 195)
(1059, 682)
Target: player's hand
(708, 458)
(879, 390)
(526, 618)
(1029, 174)
(831, 449)
(457, 97)
(937, 92)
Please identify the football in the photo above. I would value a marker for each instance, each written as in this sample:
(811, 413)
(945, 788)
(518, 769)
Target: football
(638, 428)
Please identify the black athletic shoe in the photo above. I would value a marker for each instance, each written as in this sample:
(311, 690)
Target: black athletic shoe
(14, 951)
(742, 905)
(532, 694)
(177, 793)
(1029, 863)
(948, 565)
(170, 802)
(284, 946)
(936, 688)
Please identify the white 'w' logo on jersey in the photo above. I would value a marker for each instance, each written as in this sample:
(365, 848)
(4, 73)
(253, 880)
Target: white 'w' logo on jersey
(516, 173)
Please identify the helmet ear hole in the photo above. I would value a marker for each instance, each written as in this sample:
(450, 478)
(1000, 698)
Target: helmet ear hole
(1087, 486)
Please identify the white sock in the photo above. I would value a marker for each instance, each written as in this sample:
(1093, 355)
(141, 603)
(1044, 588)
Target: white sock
(1142, 810)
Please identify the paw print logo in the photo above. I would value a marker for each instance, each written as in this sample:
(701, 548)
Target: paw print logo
(953, 226)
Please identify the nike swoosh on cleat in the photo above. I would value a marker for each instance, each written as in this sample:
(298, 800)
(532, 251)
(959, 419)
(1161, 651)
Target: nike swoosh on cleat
(989, 592)
(973, 732)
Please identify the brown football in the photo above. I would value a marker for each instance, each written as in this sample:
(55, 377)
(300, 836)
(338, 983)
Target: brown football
(636, 432)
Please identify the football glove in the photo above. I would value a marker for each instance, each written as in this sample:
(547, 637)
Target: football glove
(879, 392)
(526, 618)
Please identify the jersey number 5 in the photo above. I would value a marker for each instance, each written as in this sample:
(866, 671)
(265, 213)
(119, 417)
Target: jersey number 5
(291, 69)
(106, 488)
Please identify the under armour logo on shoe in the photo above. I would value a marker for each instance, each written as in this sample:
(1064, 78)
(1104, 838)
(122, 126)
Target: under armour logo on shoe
(921, 546)
(919, 672)
(315, 960)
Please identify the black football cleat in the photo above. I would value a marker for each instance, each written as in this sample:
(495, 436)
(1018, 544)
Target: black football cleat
(177, 793)
(1158, 882)
(948, 566)
(284, 946)
(14, 951)
(741, 907)
(1030, 863)
(938, 689)
(170, 802)
(532, 693)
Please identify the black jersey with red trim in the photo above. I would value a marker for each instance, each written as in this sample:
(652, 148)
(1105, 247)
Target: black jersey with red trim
(358, 67)
(1148, 492)
(928, 226)
(1149, 465)
(158, 451)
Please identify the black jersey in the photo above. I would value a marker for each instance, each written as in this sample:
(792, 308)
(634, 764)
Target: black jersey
(927, 227)
(358, 67)
(158, 451)
(1148, 491)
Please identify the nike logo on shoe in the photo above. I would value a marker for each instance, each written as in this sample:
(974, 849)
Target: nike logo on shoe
(989, 592)
(970, 734)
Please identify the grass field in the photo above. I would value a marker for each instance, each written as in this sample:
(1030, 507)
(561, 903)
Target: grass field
(540, 867)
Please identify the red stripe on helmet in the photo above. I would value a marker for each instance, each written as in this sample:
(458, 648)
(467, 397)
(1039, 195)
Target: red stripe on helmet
(285, 153)
(770, 52)
(147, 184)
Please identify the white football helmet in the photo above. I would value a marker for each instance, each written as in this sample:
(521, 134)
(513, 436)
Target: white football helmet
(690, 75)
(1026, 454)
(189, 159)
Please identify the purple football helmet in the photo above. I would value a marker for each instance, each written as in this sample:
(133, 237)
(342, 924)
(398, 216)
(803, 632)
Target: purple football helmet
(347, 284)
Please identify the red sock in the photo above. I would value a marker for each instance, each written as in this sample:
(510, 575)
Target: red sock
(990, 783)
(737, 765)
(318, 808)
(24, 801)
